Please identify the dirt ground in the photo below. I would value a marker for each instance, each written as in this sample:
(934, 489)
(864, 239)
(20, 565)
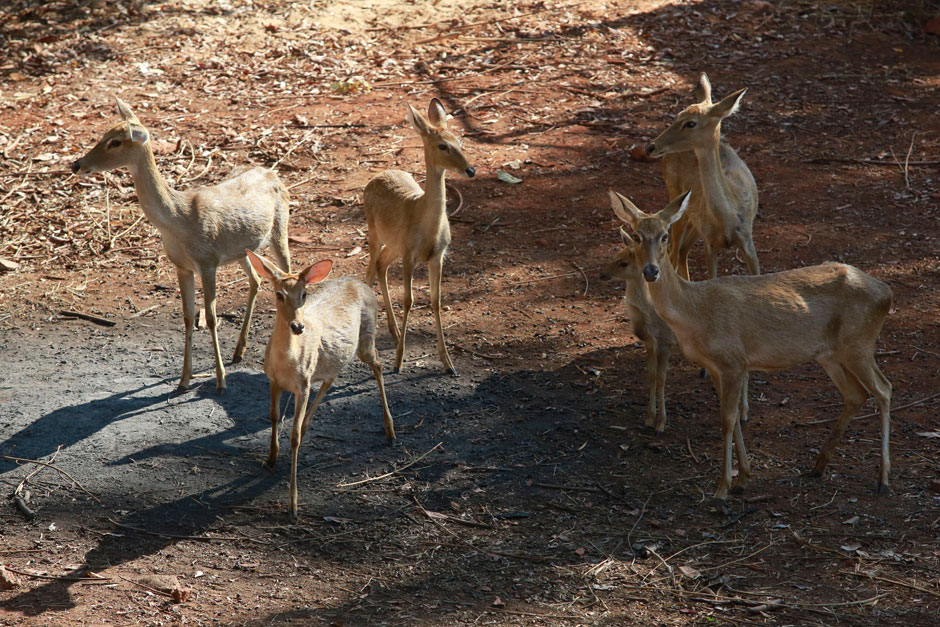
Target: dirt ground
(527, 491)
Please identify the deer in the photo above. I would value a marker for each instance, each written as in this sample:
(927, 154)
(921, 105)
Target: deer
(647, 326)
(315, 336)
(724, 198)
(410, 223)
(201, 228)
(831, 313)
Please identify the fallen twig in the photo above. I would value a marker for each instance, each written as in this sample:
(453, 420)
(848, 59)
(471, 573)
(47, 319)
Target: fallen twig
(894, 581)
(93, 576)
(23, 460)
(872, 414)
(393, 472)
(583, 274)
(68, 313)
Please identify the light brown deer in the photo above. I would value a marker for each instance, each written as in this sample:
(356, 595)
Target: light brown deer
(406, 222)
(724, 194)
(201, 228)
(831, 313)
(647, 325)
(314, 338)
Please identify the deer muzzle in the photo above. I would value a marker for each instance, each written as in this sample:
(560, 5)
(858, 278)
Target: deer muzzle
(650, 273)
(297, 328)
(470, 171)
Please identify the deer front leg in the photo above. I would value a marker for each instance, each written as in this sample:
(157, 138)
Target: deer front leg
(187, 283)
(253, 284)
(275, 419)
(662, 365)
(730, 395)
(300, 407)
(407, 299)
(382, 271)
(435, 270)
(208, 292)
(651, 382)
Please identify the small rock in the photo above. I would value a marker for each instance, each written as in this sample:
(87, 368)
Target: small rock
(8, 580)
(8, 266)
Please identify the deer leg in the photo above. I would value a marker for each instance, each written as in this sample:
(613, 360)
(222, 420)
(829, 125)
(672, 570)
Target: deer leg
(254, 282)
(275, 419)
(744, 466)
(279, 244)
(300, 407)
(711, 258)
(187, 283)
(743, 407)
(854, 395)
(367, 356)
(208, 293)
(750, 255)
(407, 268)
(870, 376)
(651, 382)
(435, 270)
(382, 270)
(662, 365)
(730, 394)
(324, 387)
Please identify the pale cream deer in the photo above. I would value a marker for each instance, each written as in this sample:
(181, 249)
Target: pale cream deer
(647, 325)
(315, 336)
(408, 222)
(202, 228)
(724, 194)
(831, 313)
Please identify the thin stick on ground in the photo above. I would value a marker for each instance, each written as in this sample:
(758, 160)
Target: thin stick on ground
(872, 414)
(23, 460)
(393, 472)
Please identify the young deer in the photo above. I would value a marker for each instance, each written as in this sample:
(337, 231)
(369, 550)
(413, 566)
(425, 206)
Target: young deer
(202, 228)
(831, 313)
(313, 339)
(406, 222)
(724, 194)
(647, 325)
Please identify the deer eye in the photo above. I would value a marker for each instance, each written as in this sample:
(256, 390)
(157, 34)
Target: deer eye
(624, 264)
(280, 296)
(303, 297)
(689, 124)
(664, 238)
(114, 143)
(443, 147)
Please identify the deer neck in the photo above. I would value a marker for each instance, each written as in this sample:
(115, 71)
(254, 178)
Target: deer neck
(719, 195)
(157, 198)
(672, 297)
(435, 199)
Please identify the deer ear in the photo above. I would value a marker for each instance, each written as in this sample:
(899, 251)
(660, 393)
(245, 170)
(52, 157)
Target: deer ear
(728, 105)
(263, 267)
(703, 91)
(627, 240)
(674, 210)
(436, 113)
(417, 121)
(625, 209)
(124, 111)
(139, 134)
(317, 272)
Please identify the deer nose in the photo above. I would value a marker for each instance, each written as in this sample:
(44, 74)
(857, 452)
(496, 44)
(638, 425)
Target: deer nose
(297, 327)
(471, 171)
(650, 147)
(650, 273)
(76, 166)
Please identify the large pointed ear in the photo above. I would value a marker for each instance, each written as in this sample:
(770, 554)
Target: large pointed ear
(728, 105)
(627, 240)
(125, 111)
(263, 267)
(436, 114)
(674, 210)
(417, 121)
(317, 272)
(703, 91)
(625, 209)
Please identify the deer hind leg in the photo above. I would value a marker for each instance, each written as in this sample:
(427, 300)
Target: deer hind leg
(870, 376)
(382, 261)
(854, 395)
(187, 283)
(254, 282)
(744, 466)
(407, 300)
(208, 292)
(275, 419)
(279, 244)
(729, 384)
(750, 254)
(743, 406)
(366, 354)
(302, 413)
(435, 270)
(682, 244)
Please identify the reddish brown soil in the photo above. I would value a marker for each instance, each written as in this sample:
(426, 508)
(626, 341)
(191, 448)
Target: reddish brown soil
(554, 506)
